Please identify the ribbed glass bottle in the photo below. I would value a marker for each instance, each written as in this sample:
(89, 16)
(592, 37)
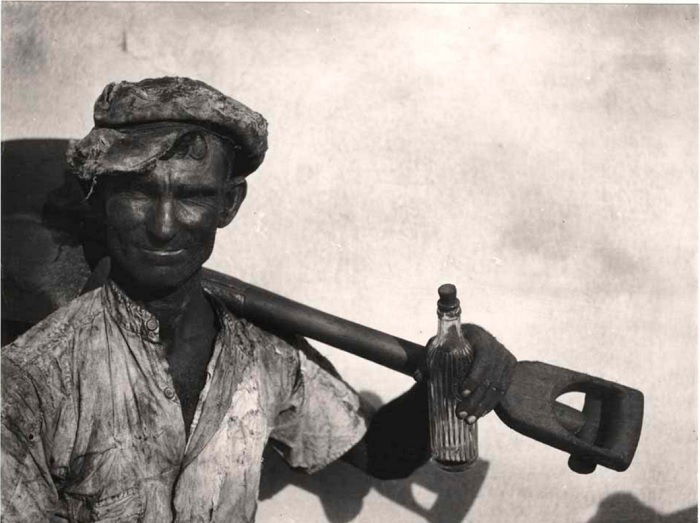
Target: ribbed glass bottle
(453, 442)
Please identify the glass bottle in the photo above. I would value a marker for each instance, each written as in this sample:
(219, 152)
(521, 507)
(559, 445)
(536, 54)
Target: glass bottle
(453, 442)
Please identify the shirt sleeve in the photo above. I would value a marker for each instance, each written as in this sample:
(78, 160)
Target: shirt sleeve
(321, 418)
(28, 492)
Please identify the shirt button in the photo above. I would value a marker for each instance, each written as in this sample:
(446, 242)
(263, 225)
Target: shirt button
(169, 393)
(151, 324)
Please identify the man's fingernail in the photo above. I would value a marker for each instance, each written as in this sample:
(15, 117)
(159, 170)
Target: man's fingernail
(466, 392)
(471, 420)
(462, 414)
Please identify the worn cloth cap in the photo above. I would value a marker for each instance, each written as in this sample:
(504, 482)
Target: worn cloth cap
(136, 123)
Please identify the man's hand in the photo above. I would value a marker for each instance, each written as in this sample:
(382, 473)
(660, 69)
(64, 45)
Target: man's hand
(489, 377)
(398, 439)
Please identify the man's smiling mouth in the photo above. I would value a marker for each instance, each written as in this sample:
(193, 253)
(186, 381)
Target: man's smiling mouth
(162, 253)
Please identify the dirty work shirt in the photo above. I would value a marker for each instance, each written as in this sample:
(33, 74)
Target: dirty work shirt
(92, 429)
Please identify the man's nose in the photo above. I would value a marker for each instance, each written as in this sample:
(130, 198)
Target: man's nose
(162, 226)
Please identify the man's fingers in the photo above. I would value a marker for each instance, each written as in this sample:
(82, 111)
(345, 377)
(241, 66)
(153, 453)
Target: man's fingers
(495, 391)
(471, 402)
(482, 367)
(475, 385)
(488, 401)
(485, 394)
(468, 387)
(489, 375)
(486, 398)
(503, 371)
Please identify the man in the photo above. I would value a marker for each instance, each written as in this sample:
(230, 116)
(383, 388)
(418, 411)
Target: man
(146, 399)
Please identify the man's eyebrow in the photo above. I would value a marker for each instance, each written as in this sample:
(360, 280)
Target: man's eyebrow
(136, 183)
(144, 183)
(194, 188)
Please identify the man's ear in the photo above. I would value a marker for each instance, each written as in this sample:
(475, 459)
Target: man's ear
(234, 194)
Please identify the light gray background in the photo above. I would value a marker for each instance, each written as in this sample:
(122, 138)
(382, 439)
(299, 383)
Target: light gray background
(542, 158)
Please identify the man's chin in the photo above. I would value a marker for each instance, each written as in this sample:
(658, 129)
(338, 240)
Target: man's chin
(155, 282)
(167, 278)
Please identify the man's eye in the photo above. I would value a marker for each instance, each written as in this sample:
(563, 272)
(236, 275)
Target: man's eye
(134, 194)
(196, 198)
(197, 195)
(128, 193)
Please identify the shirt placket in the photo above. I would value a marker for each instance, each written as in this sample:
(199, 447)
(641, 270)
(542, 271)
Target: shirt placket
(225, 369)
(150, 333)
(205, 391)
(146, 327)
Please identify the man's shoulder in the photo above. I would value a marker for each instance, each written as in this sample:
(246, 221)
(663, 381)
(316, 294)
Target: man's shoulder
(263, 342)
(54, 334)
(277, 348)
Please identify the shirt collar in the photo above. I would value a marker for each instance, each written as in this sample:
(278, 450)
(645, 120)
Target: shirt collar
(130, 314)
(134, 317)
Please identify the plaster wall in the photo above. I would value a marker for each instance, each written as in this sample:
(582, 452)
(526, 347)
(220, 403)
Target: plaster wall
(543, 158)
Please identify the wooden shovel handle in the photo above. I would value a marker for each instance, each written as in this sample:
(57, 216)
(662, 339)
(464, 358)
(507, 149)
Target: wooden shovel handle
(282, 314)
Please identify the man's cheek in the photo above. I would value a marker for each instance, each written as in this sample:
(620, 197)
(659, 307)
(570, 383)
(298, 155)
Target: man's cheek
(124, 215)
(199, 225)
(197, 217)
(203, 245)
(125, 227)
(119, 242)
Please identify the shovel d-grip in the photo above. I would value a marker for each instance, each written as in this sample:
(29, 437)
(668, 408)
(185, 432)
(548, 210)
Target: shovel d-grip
(605, 433)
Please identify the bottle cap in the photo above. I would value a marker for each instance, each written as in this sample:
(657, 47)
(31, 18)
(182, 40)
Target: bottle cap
(448, 298)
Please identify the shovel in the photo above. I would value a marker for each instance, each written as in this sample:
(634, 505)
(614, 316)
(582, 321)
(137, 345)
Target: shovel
(605, 432)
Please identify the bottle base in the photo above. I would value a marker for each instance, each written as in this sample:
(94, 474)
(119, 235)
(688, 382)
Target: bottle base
(454, 466)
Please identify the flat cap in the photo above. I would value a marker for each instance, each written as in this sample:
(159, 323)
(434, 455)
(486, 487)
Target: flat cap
(137, 122)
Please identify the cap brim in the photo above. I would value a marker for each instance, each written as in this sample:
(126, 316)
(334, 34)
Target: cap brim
(135, 150)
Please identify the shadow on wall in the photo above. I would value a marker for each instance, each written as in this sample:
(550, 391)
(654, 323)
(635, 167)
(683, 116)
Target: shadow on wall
(43, 256)
(438, 496)
(623, 507)
(430, 492)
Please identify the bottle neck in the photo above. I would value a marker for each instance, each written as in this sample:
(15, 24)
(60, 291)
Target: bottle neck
(449, 325)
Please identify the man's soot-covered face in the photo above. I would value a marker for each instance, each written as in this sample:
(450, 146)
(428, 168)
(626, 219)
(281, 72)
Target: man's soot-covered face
(161, 226)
